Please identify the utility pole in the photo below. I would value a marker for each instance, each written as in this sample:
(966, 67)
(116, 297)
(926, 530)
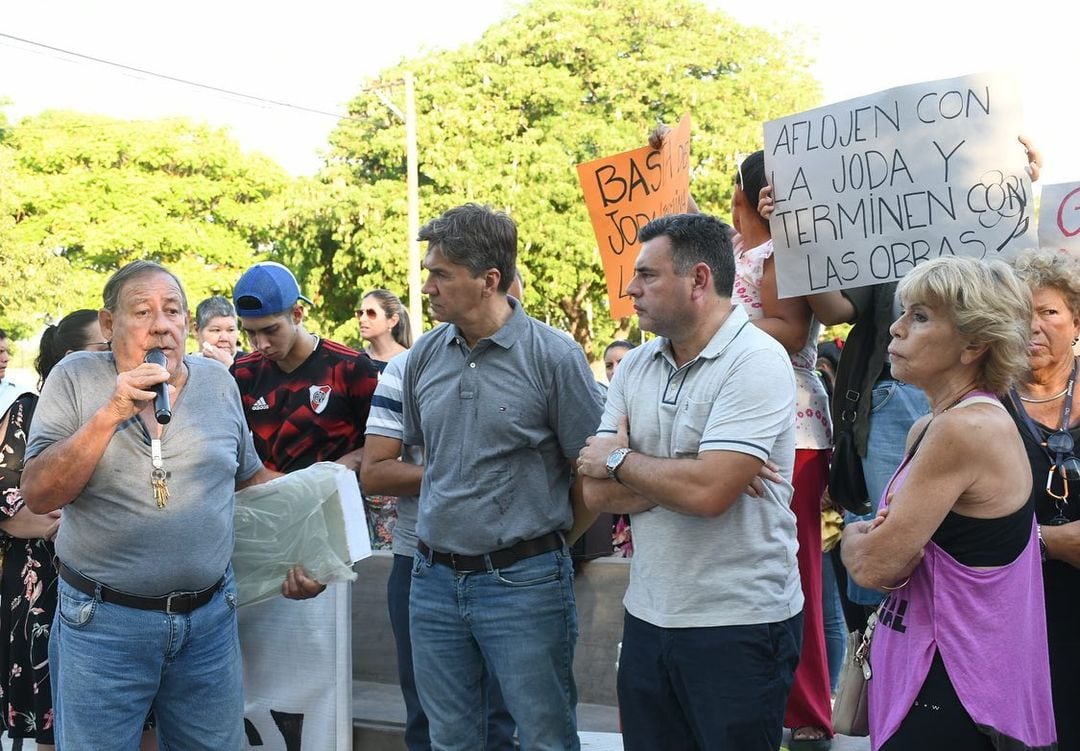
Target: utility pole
(408, 117)
(415, 308)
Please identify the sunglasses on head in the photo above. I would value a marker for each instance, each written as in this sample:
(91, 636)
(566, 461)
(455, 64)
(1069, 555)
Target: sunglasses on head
(371, 313)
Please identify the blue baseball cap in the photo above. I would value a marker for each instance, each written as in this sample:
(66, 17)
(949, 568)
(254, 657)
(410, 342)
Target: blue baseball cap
(266, 289)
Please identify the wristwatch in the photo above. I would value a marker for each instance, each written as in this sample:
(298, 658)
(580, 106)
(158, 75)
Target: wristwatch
(614, 461)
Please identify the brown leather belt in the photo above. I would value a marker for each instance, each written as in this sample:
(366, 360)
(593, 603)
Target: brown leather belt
(174, 603)
(499, 558)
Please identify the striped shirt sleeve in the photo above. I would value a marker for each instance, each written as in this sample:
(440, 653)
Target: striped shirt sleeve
(386, 418)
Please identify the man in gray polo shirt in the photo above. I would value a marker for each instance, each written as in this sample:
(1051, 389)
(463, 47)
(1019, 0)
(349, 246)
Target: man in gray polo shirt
(714, 608)
(501, 404)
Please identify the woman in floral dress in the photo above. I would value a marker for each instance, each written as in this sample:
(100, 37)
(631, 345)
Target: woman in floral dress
(28, 577)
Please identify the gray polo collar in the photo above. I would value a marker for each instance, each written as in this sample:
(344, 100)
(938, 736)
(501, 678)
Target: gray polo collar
(514, 329)
(725, 335)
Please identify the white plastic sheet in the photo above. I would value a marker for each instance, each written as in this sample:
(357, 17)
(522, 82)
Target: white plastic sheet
(313, 517)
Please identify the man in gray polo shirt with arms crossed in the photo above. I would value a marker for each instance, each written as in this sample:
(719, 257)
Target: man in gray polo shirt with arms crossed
(714, 608)
(501, 404)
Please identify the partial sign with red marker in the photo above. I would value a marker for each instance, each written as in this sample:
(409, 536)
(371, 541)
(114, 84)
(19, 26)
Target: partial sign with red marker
(1059, 217)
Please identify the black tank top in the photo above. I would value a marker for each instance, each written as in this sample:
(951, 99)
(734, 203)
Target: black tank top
(985, 542)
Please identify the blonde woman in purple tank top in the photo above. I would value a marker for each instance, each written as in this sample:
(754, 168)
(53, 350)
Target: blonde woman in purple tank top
(959, 656)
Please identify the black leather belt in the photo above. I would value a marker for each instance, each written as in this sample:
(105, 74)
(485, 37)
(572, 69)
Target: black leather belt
(174, 603)
(499, 558)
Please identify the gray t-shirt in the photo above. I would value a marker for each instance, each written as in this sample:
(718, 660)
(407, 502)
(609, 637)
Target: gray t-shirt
(113, 531)
(499, 425)
(737, 395)
(385, 419)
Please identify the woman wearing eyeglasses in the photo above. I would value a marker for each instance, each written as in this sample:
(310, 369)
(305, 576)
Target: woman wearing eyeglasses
(1046, 410)
(959, 656)
(384, 325)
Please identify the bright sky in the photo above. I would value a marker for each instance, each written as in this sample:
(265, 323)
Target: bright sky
(318, 54)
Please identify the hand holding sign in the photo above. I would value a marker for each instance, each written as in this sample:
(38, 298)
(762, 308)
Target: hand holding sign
(625, 192)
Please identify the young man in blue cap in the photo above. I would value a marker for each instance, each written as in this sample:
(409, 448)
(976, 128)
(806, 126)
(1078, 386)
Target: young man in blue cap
(306, 400)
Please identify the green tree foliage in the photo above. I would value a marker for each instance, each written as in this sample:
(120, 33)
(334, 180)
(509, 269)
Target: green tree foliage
(82, 195)
(504, 121)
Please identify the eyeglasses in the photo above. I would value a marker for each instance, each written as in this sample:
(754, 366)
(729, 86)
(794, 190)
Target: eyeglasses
(97, 347)
(371, 313)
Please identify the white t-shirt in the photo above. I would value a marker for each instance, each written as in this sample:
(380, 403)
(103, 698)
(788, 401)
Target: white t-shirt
(737, 395)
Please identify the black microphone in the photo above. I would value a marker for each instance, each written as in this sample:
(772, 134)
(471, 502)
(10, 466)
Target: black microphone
(162, 410)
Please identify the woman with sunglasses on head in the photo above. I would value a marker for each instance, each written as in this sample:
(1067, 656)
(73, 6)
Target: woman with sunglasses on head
(958, 655)
(384, 325)
(1046, 410)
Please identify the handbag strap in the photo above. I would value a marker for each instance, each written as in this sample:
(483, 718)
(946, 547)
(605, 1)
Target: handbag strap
(862, 654)
(850, 409)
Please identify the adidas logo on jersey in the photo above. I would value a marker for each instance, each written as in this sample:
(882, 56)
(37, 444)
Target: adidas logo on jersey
(260, 404)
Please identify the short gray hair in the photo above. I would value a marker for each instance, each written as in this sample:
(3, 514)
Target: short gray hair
(211, 308)
(1053, 269)
(111, 294)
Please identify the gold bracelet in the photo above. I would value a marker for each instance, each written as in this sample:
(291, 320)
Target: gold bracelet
(898, 586)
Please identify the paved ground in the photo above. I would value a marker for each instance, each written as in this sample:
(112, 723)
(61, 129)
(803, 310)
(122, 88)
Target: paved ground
(593, 742)
(613, 742)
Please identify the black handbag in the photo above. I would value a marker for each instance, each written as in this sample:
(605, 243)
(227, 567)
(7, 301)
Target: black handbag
(847, 483)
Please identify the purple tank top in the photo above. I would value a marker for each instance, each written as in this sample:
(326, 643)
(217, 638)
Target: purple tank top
(989, 626)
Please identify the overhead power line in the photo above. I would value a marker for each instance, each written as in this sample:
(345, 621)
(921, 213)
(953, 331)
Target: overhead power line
(197, 84)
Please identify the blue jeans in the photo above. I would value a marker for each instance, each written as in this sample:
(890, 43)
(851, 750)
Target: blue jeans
(832, 610)
(521, 623)
(721, 688)
(500, 725)
(111, 664)
(894, 408)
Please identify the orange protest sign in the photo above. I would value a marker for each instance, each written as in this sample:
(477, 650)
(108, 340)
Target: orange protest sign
(625, 192)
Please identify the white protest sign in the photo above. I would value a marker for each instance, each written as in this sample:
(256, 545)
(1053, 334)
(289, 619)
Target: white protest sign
(868, 188)
(351, 506)
(1059, 217)
(297, 655)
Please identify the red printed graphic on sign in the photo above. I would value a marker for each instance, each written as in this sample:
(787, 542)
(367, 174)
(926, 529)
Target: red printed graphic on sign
(1068, 214)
